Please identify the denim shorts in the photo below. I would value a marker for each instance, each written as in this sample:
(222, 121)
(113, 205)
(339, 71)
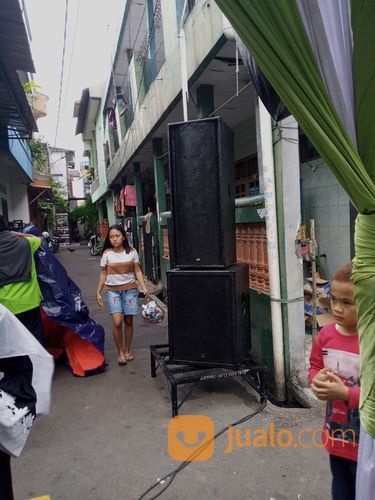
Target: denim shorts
(123, 301)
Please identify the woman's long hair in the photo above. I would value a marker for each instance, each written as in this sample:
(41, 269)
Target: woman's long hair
(107, 243)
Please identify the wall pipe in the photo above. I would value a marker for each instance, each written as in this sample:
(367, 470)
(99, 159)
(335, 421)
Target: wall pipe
(266, 146)
(184, 76)
(265, 152)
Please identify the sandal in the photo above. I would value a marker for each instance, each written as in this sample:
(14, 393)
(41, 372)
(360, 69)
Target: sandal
(129, 357)
(122, 362)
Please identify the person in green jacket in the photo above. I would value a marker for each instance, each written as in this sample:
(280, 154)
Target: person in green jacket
(19, 288)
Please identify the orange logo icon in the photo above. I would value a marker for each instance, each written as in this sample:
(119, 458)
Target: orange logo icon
(190, 437)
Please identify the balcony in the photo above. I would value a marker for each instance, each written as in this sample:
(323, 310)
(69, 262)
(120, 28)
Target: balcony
(40, 179)
(20, 151)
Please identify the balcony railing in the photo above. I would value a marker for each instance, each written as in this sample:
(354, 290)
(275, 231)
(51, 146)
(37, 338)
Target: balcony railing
(40, 179)
(94, 185)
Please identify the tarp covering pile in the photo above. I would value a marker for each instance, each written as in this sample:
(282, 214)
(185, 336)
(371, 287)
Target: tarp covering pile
(67, 325)
(318, 55)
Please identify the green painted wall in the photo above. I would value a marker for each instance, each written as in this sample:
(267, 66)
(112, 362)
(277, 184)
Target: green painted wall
(261, 331)
(110, 208)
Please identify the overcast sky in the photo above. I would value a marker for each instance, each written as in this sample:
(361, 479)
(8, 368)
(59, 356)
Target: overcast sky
(91, 31)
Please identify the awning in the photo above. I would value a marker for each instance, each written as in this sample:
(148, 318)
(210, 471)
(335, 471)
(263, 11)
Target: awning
(15, 56)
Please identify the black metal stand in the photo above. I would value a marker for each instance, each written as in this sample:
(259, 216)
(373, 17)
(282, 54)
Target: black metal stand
(178, 374)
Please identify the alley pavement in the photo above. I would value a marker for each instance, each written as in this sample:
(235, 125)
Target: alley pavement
(107, 435)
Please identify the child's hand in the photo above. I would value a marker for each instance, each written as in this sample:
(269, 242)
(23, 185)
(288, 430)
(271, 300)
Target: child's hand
(332, 387)
(322, 374)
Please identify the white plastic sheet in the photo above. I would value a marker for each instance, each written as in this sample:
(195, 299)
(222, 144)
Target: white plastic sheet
(16, 340)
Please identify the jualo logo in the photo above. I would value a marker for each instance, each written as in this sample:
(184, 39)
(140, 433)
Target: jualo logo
(191, 437)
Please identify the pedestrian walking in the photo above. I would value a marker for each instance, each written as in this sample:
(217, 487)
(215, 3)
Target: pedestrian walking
(120, 269)
(19, 287)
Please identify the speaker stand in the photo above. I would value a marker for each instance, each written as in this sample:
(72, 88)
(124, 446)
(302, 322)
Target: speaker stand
(178, 374)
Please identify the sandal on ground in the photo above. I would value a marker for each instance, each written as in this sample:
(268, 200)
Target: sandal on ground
(122, 362)
(129, 357)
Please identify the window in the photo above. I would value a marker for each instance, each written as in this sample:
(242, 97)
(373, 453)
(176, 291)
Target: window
(151, 55)
(247, 177)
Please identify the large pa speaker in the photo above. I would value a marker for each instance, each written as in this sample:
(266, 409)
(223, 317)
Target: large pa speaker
(208, 316)
(201, 162)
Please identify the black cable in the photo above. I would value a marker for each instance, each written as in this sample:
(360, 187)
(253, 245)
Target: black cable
(62, 71)
(171, 476)
(71, 54)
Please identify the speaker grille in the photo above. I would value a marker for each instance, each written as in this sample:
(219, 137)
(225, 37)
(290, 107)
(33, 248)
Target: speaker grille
(208, 315)
(202, 193)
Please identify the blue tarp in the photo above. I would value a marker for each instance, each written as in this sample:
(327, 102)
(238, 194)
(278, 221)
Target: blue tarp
(62, 299)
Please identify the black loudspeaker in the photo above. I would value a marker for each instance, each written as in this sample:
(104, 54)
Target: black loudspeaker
(201, 162)
(208, 316)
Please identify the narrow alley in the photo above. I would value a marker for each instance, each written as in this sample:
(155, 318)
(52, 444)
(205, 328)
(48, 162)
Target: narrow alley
(106, 436)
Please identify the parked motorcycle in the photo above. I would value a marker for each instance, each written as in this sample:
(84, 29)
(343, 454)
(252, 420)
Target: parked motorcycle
(49, 241)
(94, 244)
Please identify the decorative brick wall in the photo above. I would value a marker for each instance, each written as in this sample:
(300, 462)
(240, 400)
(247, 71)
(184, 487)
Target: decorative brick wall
(251, 247)
(165, 243)
(103, 228)
(141, 239)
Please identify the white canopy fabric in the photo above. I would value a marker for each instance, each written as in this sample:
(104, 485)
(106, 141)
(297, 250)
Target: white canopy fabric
(16, 340)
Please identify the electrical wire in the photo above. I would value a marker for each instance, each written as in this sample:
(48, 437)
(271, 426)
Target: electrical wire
(71, 54)
(62, 72)
(171, 476)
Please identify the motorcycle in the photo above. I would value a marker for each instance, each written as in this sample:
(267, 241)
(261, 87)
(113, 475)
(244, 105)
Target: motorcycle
(49, 242)
(94, 244)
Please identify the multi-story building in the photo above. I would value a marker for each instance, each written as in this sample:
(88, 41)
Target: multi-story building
(179, 60)
(16, 119)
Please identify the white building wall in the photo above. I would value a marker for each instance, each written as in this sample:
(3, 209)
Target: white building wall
(19, 208)
(78, 189)
(327, 203)
(59, 168)
(13, 190)
(203, 29)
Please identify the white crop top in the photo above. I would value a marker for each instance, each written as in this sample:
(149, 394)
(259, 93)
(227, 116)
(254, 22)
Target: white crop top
(120, 267)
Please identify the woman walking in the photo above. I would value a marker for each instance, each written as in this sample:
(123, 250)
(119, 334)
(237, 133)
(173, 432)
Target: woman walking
(119, 270)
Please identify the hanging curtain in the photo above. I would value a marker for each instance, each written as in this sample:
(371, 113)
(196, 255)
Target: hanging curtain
(319, 58)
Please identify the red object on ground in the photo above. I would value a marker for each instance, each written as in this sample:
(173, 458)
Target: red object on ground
(83, 357)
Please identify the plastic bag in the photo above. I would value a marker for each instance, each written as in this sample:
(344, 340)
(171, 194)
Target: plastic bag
(152, 313)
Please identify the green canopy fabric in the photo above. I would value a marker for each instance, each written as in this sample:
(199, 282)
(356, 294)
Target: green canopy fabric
(275, 35)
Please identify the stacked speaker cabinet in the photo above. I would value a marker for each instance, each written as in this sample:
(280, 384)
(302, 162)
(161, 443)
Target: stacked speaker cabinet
(202, 194)
(207, 293)
(208, 316)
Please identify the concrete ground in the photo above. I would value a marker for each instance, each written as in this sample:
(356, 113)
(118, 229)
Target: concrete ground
(107, 435)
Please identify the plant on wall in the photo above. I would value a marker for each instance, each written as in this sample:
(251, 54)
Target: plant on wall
(86, 214)
(31, 89)
(39, 154)
(90, 174)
